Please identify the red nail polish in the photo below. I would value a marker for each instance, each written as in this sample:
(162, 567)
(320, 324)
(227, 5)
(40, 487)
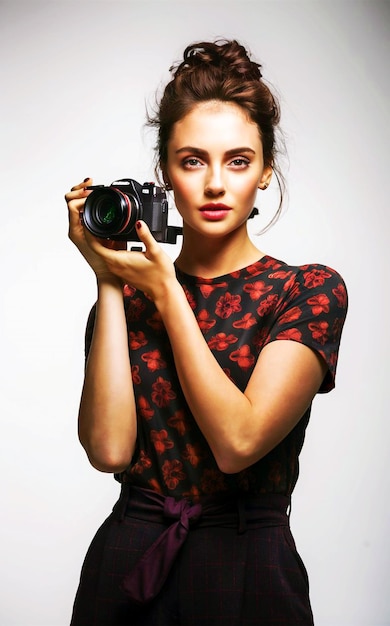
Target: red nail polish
(138, 224)
(85, 179)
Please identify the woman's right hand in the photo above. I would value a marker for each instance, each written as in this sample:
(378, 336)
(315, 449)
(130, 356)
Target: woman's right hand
(75, 200)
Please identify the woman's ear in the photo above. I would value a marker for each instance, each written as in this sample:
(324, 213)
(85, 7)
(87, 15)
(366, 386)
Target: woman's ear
(167, 182)
(265, 177)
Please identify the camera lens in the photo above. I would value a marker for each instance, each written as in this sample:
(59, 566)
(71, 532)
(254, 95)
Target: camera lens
(109, 213)
(105, 212)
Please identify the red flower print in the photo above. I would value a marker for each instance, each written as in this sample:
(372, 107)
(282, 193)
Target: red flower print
(153, 360)
(160, 440)
(144, 408)
(245, 322)
(162, 393)
(221, 341)
(135, 309)
(178, 421)
(331, 360)
(155, 485)
(207, 289)
(155, 321)
(260, 339)
(272, 263)
(192, 454)
(227, 373)
(193, 494)
(212, 481)
(144, 462)
(315, 278)
(172, 473)
(291, 315)
(281, 274)
(257, 289)
(319, 304)
(322, 353)
(337, 327)
(205, 321)
(267, 304)
(190, 297)
(292, 286)
(137, 340)
(128, 291)
(135, 374)
(319, 331)
(341, 294)
(243, 357)
(253, 270)
(290, 334)
(227, 305)
(259, 266)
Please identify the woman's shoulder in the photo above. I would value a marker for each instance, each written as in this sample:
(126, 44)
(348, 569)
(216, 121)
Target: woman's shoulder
(309, 276)
(271, 273)
(315, 287)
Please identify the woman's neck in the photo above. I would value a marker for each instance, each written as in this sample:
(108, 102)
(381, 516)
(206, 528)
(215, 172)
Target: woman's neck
(211, 257)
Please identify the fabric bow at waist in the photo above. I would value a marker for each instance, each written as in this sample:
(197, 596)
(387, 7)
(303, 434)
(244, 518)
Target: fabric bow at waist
(147, 577)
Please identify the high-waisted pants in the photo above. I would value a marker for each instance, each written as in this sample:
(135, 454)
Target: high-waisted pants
(158, 562)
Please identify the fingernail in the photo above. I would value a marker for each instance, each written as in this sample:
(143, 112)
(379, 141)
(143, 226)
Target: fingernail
(85, 179)
(138, 224)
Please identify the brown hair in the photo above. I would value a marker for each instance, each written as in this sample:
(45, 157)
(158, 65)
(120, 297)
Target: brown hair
(220, 70)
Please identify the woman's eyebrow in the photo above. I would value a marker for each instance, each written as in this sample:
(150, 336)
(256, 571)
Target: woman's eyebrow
(239, 150)
(191, 149)
(232, 151)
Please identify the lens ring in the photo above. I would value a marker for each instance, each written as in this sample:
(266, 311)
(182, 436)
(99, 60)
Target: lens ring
(128, 204)
(106, 212)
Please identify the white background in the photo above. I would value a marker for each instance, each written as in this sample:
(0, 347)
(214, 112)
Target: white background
(75, 77)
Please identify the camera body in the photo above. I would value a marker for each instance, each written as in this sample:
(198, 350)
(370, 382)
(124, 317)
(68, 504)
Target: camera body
(112, 212)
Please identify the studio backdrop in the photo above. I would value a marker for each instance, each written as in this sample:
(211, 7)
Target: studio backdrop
(76, 80)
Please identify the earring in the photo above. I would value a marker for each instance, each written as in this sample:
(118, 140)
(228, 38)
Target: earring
(167, 186)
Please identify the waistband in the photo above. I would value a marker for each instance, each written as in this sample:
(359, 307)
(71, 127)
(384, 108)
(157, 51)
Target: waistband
(178, 517)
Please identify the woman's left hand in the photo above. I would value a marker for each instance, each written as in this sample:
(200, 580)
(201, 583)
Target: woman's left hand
(150, 271)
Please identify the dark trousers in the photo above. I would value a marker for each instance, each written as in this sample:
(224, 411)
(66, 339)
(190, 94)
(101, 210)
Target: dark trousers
(237, 568)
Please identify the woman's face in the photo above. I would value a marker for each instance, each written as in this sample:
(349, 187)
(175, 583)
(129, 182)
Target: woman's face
(215, 166)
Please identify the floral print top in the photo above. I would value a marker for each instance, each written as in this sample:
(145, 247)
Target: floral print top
(239, 314)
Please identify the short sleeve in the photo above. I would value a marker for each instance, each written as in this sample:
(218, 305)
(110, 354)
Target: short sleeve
(313, 313)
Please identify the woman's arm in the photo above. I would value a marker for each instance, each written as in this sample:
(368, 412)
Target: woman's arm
(240, 427)
(107, 415)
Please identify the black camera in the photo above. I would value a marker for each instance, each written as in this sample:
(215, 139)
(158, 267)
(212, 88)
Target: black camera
(112, 212)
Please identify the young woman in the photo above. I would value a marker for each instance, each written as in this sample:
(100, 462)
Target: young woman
(200, 375)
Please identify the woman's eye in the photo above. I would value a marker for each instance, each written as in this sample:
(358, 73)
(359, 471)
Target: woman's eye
(239, 162)
(191, 162)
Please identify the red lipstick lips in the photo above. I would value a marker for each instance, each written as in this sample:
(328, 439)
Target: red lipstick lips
(215, 211)
(212, 206)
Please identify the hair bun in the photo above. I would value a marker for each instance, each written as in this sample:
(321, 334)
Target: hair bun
(229, 56)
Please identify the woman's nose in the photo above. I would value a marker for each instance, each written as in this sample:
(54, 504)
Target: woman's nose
(214, 183)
